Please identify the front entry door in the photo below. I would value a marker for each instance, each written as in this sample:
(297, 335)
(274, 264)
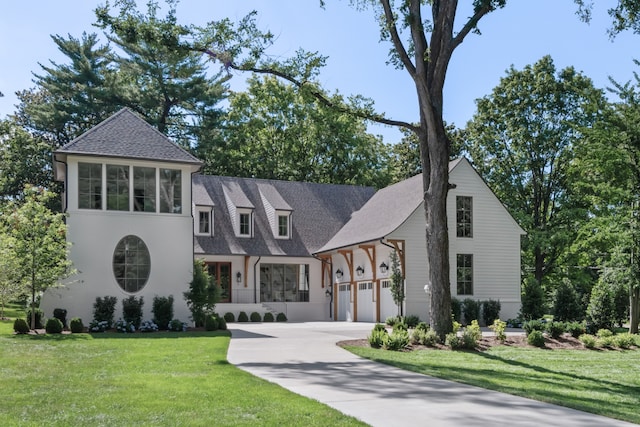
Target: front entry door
(221, 274)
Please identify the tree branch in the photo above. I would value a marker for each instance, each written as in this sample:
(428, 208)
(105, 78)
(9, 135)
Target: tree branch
(471, 24)
(395, 38)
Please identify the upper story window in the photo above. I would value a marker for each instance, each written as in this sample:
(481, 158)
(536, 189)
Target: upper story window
(170, 191)
(117, 188)
(144, 189)
(464, 274)
(89, 186)
(204, 221)
(283, 226)
(245, 224)
(464, 216)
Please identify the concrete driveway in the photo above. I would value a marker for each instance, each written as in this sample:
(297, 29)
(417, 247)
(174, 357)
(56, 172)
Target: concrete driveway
(303, 358)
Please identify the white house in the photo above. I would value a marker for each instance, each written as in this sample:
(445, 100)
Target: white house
(138, 214)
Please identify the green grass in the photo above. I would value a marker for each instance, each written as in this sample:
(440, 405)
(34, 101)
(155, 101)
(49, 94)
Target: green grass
(158, 379)
(601, 382)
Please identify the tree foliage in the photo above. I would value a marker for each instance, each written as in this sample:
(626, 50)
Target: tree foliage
(397, 282)
(10, 286)
(203, 293)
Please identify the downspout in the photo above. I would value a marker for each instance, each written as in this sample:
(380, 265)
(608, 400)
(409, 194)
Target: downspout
(255, 281)
(330, 292)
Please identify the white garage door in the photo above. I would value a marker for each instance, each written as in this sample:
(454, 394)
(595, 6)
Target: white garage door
(366, 312)
(387, 307)
(344, 303)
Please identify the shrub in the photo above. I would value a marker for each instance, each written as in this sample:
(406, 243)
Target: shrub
(39, 318)
(456, 327)
(535, 338)
(377, 338)
(281, 317)
(456, 309)
(411, 320)
(471, 335)
(379, 327)
(124, 326)
(514, 323)
(576, 329)
(162, 310)
(431, 338)
(103, 310)
(101, 326)
(149, 326)
(589, 341)
(498, 327)
(53, 326)
(229, 317)
(453, 340)
(20, 326)
(603, 333)
(222, 324)
(533, 325)
(418, 336)
(601, 309)
(423, 326)
(268, 317)
(555, 329)
(532, 297)
(607, 342)
(61, 314)
(398, 340)
(255, 317)
(566, 303)
(392, 320)
(76, 325)
(203, 293)
(242, 317)
(177, 326)
(490, 311)
(470, 310)
(400, 326)
(624, 340)
(132, 310)
(211, 323)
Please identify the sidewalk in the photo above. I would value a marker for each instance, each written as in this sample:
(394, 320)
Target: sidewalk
(303, 358)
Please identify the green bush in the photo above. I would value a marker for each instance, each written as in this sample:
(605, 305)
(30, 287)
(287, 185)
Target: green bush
(53, 326)
(20, 326)
(400, 326)
(604, 333)
(377, 338)
(379, 327)
(61, 314)
(471, 335)
(255, 317)
(103, 310)
(601, 311)
(423, 326)
(281, 317)
(242, 317)
(532, 300)
(39, 318)
(132, 310)
(453, 340)
(76, 325)
(211, 322)
(229, 317)
(535, 338)
(589, 341)
(162, 311)
(499, 327)
(222, 324)
(398, 340)
(490, 311)
(412, 321)
(456, 309)
(555, 329)
(268, 317)
(566, 303)
(470, 310)
(576, 329)
(533, 325)
(431, 338)
(608, 341)
(177, 325)
(392, 320)
(624, 340)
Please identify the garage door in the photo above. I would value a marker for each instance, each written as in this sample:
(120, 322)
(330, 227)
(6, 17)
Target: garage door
(366, 312)
(344, 303)
(387, 307)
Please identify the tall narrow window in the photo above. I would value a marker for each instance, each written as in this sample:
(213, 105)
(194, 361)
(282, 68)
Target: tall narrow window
(464, 216)
(245, 224)
(89, 186)
(283, 226)
(117, 188)
(204, 222)
(464, 274)
(144, 189)
(170, 191)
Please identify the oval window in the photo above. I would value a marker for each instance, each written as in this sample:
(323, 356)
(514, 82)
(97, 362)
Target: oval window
(131, 264)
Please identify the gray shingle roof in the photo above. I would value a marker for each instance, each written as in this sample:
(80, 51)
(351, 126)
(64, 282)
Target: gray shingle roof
(127, 135)
(318, 212)
(387, 210)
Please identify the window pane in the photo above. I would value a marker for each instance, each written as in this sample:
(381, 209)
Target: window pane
(117, 188)
(144, 189)
(131, 264)
(464, 274)
(284, 283)
(245, 224)
(464, 216)
(283, 226)
(170, 191)
(89, 186)
(204, 223)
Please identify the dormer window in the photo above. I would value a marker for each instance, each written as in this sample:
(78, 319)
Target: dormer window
(283, 226)
(245, 225)
(204, 220)
(205, 223)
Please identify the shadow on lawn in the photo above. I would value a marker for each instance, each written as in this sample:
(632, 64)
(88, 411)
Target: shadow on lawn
(117, 335)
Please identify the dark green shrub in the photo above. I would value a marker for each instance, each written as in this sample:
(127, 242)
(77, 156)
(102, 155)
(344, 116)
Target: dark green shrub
(566, 303)
(412, 320)
(255, 317)
(203, 293)
(456, 309)
(601, 311)
(76, 325)
(53, 326)
(555, 329)
(222, 324)
(470, 310)
(20, 326)
(533, 325)
(392, 320)
(132, 310)
(536, 338)
(103, 310)
(576, 329)
(268, 317)
(378, 338)
(177, 325)
(490, 311)
(242, 317)
(39, 318)
(281, 317)
(431, 338)
(229, 317)
(379, 327)
(162, 311)
(422, 326)
(61, 314)
(211, 323)
(398, 340)
(532, 305)
(400, 326)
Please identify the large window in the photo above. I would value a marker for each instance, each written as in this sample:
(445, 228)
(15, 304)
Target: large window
(117, 188)
(283, 226)
(89, 186)
(284, 282)
(144, 189)
(170, 191)
(131, 264)
(464, 216)
(464, 274)
(220, 273)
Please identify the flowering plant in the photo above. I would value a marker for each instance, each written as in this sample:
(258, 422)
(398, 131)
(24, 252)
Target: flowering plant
(148, 326)
(100, 326)
(177, 326)
(124, 326)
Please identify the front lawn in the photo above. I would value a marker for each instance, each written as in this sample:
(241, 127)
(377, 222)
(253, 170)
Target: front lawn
(161, 379)
(605, 382)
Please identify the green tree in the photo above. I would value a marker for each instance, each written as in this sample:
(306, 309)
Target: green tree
(203, 293)
(40, 244)
(397, 282)
(532, 299)
(522, 140)
(10, 286)
(566, 303)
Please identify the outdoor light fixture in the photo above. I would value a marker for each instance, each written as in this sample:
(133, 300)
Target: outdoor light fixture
(238, 277)
(339, 274)
(327, 292)
(359, 271)
(384, 268)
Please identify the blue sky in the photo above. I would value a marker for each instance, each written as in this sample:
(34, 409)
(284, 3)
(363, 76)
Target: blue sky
(520, 34)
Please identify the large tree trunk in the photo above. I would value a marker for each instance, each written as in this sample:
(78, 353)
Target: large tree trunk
(634, 310)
